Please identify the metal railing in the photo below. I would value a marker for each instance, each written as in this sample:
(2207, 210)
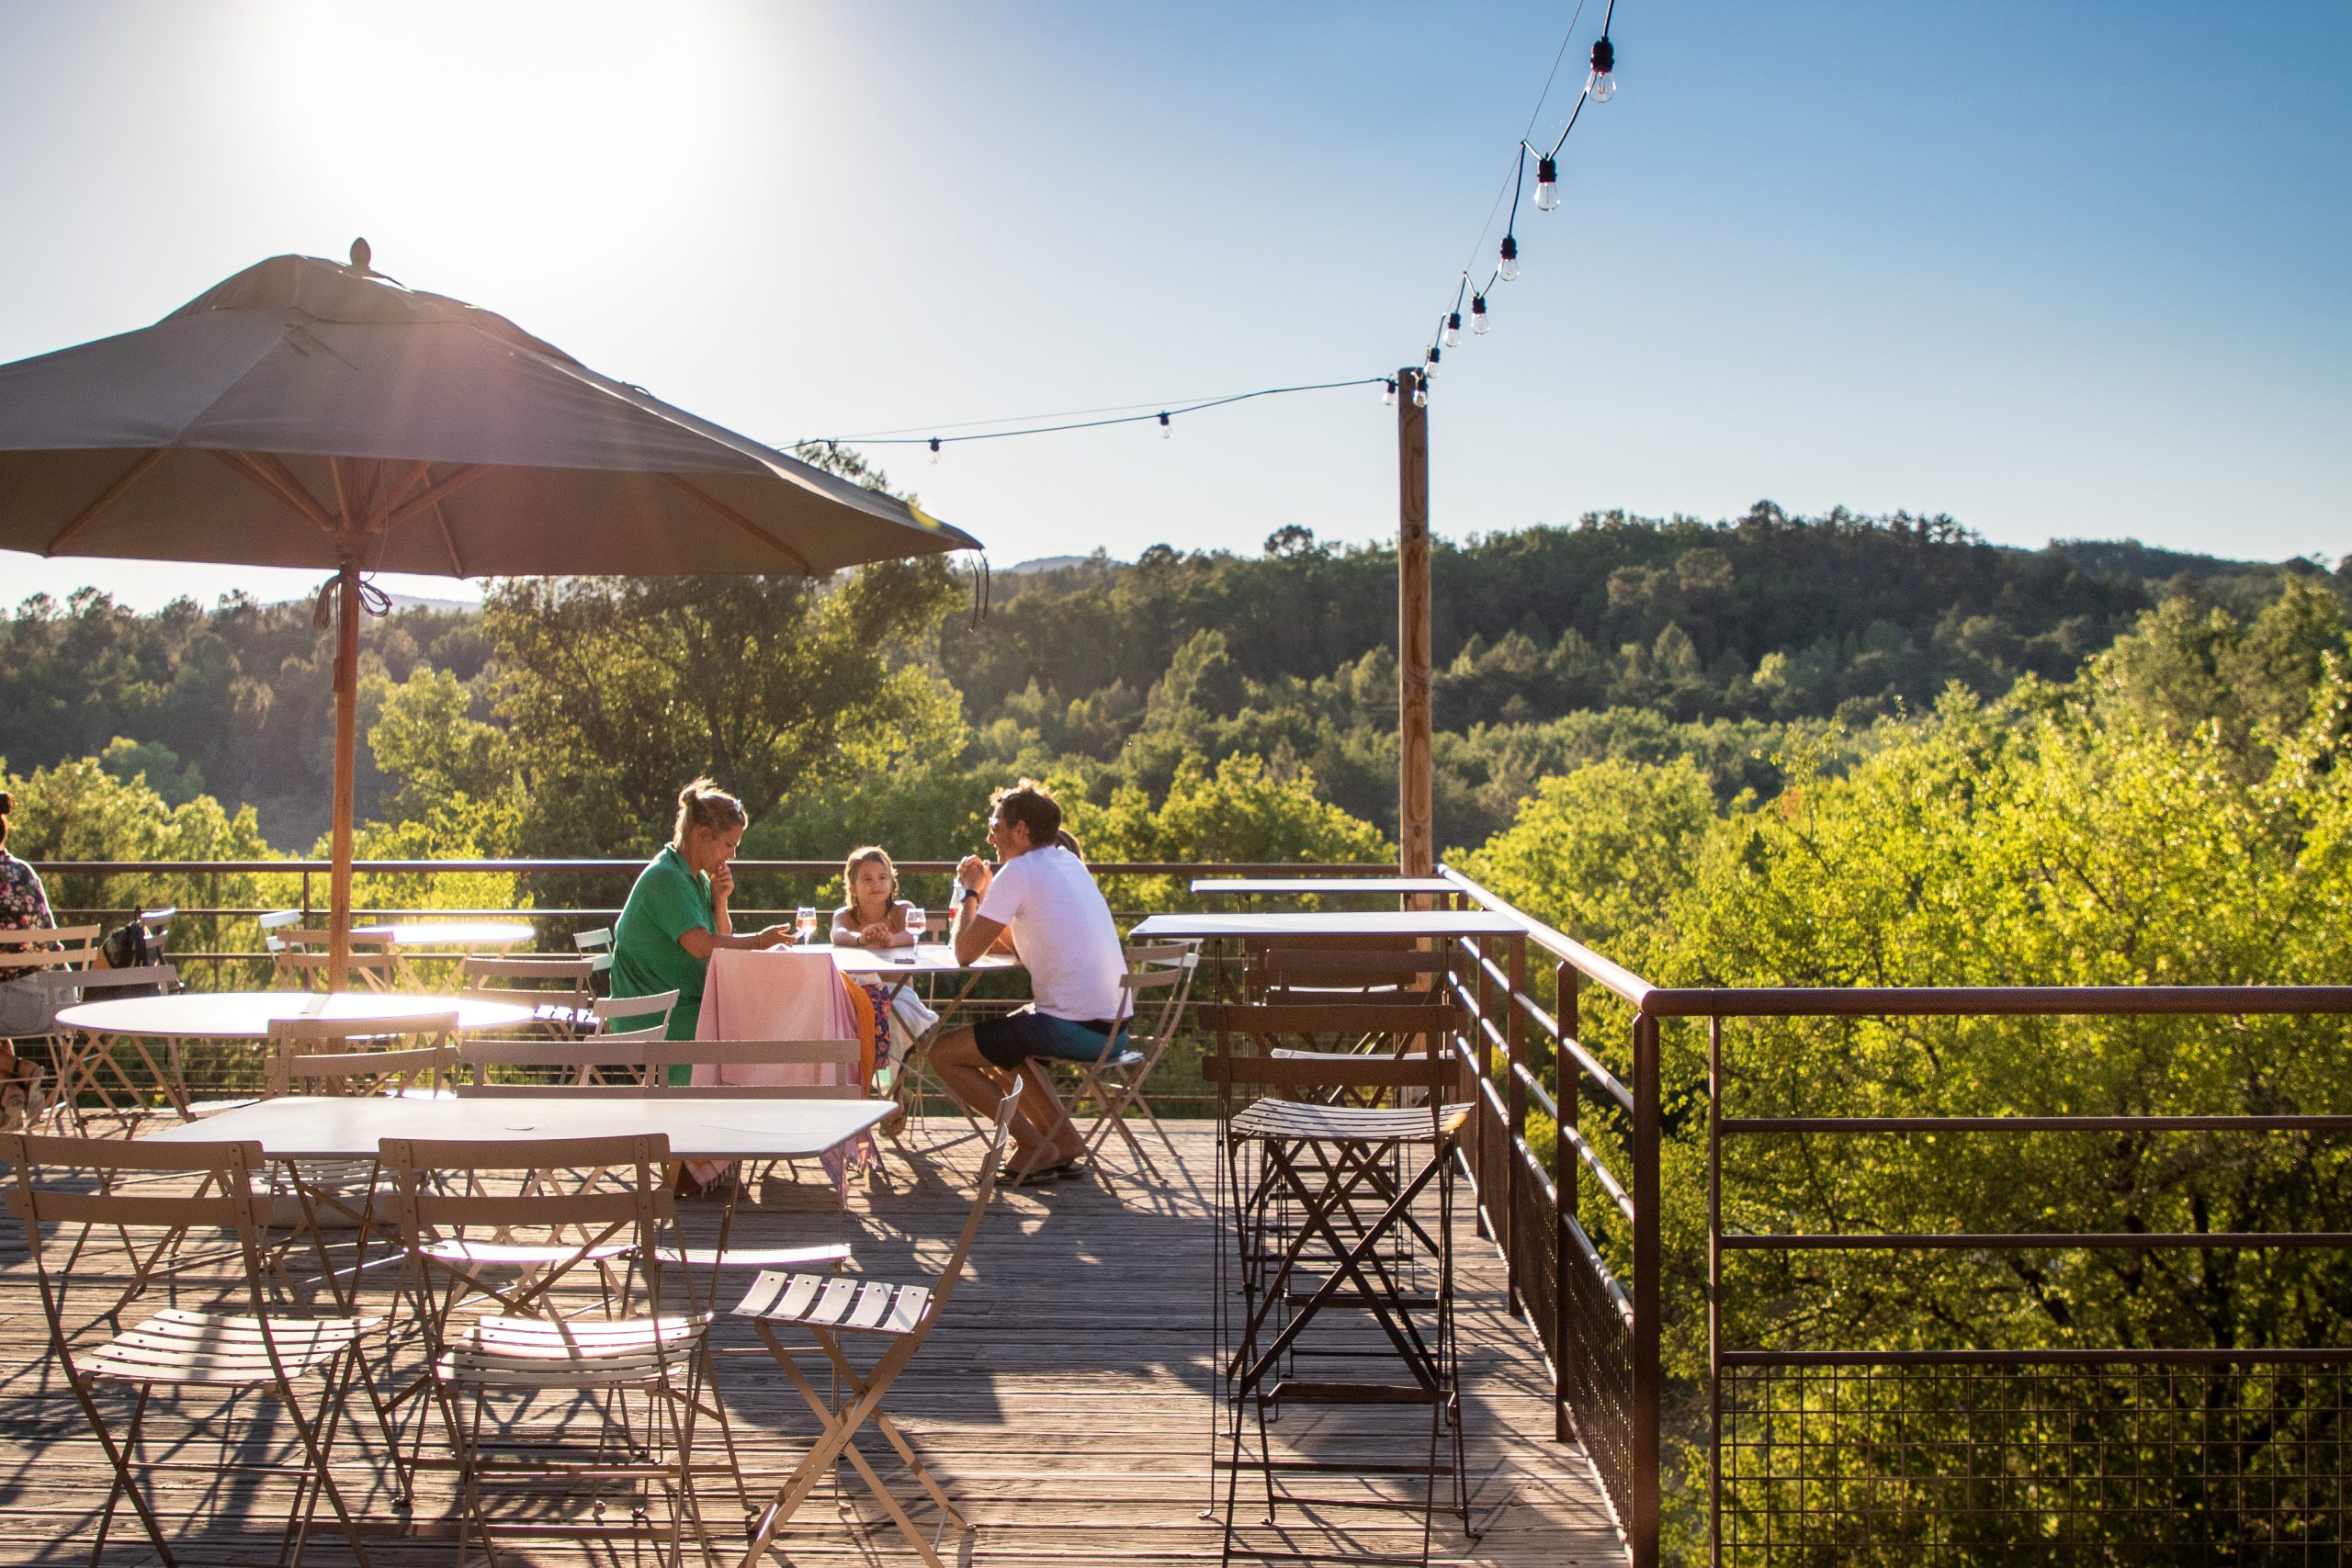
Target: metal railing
(1958, 1452)
(573, 883)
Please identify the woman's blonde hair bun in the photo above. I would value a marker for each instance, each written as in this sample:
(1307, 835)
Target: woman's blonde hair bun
(703, 803)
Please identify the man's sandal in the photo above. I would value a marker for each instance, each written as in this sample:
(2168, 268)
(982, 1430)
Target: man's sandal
(1046, 1173)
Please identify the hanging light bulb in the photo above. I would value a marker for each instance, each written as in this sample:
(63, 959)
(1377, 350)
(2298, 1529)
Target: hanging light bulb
(1479, 320)
(1547, 185)
(1508, 271)
(1389, 395)
(1602, 85)
(1453, 328)
(934, 448)
(1429, 365)
(1167, 431)
(1421, 395)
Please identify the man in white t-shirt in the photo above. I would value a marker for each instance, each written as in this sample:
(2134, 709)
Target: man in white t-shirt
(1043, 901)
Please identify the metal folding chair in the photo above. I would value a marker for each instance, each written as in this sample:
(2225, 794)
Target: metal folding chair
(827, 1307)
(560, 992)
(246, 1343)
(461, 1208)
(596, 947)
(92, 1067)
(1157, 985)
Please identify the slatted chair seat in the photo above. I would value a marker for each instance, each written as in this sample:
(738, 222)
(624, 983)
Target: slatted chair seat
(829, 1300)
(560, 1353)
(177, 1346)
(1304, 1119)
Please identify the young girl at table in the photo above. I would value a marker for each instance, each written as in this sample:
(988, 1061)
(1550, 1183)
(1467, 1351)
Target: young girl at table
(875, 916)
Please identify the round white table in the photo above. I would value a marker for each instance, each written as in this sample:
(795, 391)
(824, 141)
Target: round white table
(247, 1015)
(224, 1016)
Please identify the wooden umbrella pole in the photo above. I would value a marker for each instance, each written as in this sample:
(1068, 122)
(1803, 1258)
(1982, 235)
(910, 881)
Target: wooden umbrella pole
(346, 738)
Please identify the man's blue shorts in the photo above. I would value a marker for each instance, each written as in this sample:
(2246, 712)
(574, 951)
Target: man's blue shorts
(1012, 1039)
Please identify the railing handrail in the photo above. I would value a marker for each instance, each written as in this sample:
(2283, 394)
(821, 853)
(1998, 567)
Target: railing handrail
(789, 868)
(1615, 978)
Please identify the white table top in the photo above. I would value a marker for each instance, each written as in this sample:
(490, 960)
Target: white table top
(247, 1015)
(449, 933)
(1323, 884)
(924, 958)
(350, 1126)
(1332, 922)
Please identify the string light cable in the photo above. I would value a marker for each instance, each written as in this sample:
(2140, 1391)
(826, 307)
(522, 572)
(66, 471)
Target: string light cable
(1599, 88)
(1162, 414)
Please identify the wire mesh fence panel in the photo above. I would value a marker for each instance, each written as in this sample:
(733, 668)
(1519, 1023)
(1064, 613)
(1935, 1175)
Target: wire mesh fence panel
(1974, 1461)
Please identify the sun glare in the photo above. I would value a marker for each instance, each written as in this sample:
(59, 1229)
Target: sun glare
(497, 122)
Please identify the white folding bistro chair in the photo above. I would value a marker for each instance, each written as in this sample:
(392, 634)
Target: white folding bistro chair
(194, 1356)
(92, 1073)
(596, 947)
(639, 1374)
(828, 1308)
(558, 990)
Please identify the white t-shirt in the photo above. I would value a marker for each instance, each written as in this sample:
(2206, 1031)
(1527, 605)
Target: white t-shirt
(1062, 927)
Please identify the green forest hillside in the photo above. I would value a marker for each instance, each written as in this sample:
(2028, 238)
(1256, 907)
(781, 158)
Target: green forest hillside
(1727, 642)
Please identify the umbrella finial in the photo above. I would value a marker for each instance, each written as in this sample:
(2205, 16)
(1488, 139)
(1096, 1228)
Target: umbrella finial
(361, 255)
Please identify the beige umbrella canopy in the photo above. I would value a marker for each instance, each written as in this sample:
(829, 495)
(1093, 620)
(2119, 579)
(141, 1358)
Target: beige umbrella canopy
(306, 413)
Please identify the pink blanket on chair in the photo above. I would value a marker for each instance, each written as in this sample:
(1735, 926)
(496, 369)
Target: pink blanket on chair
(774, 994)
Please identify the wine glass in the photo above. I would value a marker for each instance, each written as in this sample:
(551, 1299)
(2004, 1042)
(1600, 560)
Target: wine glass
(804, 920)
(917, 921)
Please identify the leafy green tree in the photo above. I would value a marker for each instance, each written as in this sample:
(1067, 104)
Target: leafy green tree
(82, 811)
(616, 692)
(1239, 811)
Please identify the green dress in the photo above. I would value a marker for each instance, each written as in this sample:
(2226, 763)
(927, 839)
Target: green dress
(667, 902)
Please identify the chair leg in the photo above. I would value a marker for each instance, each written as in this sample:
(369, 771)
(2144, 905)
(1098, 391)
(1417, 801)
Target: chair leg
(889, 1428)
(840, 1426)
(122, 1457)
(317, 1446)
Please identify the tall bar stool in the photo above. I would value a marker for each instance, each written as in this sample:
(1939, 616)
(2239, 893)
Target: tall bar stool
(1363, 1192)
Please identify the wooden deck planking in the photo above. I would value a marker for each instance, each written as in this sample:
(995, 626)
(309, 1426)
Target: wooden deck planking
(1064, 1403)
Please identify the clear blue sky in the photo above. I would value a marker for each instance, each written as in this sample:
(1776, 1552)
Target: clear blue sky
(2059, 271)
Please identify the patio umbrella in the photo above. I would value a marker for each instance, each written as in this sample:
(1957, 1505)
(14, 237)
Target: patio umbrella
(309, 413)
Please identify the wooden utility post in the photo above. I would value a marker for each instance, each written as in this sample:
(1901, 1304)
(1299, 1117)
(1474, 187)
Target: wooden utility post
(1415, 827)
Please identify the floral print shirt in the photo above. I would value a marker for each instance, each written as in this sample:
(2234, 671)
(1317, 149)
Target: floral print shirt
(24, 904)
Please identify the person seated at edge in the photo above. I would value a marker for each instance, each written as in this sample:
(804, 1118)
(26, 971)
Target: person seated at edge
(24, 906)
(875, 916)
(676, 915)
(1045, 899)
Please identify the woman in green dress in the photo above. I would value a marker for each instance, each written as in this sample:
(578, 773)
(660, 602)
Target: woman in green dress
(676, 915)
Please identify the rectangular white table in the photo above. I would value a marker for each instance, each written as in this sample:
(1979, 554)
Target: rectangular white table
(299, 1127)
(1196, 926)
(1252, 885)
